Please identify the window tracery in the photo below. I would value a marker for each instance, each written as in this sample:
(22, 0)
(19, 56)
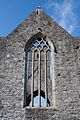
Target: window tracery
(38, 69)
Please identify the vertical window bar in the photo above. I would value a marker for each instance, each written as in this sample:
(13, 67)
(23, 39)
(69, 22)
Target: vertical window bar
(27, 65)
(32, 83)
(25, 82)
(39, 80)
(46, 78)
(50, 66)
(53, 79)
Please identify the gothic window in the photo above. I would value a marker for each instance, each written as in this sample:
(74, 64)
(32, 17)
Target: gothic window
(38, 73)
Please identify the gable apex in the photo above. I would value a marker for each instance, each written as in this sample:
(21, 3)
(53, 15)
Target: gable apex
(39, 8)
(38, 21)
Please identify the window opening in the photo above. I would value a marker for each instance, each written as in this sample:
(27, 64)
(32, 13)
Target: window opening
(37, 55)
(37, 12)
(36, 102)
(39, 68)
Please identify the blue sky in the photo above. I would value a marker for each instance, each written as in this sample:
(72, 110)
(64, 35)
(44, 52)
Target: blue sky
(64, 12)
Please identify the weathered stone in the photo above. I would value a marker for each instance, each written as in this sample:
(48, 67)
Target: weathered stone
(67, 71)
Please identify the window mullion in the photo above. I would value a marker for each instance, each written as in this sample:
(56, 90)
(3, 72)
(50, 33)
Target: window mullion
(27, 65)
(46, 78)
(32, 83)
(39, 79)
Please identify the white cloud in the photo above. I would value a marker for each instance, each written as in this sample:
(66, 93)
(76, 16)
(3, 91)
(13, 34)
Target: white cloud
(63, 12)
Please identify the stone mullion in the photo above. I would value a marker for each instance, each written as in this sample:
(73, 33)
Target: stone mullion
(27, 64)
(25, 82)
(39, 79)
(46, 78)
(32, 83)
(53, 79)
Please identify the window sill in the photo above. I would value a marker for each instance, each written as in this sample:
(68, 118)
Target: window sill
(54, 108)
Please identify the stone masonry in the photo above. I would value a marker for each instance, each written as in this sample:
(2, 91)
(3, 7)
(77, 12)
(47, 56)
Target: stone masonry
(66, 71)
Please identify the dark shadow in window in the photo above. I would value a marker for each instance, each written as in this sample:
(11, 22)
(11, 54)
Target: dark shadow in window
(35, 93)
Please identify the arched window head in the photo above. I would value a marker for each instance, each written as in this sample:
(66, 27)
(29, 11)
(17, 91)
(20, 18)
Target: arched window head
(38, 71)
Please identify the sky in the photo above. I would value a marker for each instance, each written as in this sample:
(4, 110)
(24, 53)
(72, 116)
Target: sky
(65, 12)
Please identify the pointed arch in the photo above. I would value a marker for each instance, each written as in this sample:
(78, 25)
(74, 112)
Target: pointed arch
(37, 67)
(40, 35)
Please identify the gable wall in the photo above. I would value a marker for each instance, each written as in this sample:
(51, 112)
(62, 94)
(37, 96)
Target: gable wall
(12, 66)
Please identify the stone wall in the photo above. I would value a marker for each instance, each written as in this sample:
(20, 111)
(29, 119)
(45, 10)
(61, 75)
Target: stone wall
(67, 72)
